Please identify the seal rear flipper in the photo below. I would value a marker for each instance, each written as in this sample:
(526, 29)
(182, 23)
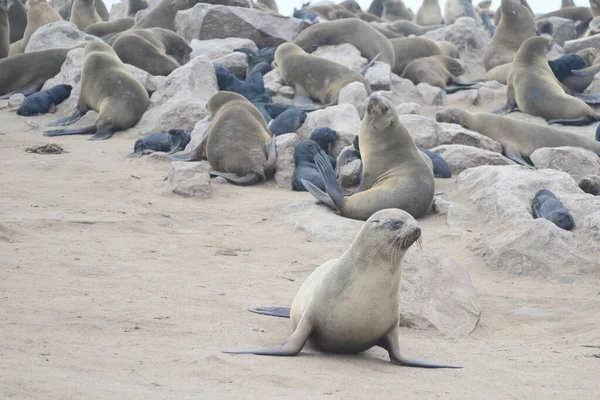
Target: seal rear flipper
(71, 119)
(507, 109)
(88, 130)
(573, 122)
(369, 64)
(390, 343)
(282, 312)
(513, 154)
(135, 154)
(248, 179)
(106, 132)
(451, 90)
(329, 179)
(318, 194)
(593, 99)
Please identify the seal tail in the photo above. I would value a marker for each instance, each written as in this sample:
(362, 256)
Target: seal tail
(282, 312)
(369, 65)
(88, 130)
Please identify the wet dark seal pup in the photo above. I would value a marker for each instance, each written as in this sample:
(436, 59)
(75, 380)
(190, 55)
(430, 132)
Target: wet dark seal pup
(352, 303)
(44, 101)
(238, 145)
(368, 40)
(108, 88)
(17, 17)
(590, 184)
(306, 169)
(253, 88)
(441, 169)
(567, 65)
(325, 137)
(169, 142)
(288, 121)
(394, 172)
(546, 205)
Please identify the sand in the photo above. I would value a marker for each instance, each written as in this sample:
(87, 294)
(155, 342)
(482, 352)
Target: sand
(113, 287)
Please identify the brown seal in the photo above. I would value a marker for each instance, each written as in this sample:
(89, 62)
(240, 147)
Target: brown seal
(459, 8)
(134, 6)
(352, 303)
(108, 88)
(157, 51)
(394, 10)
(163, 15)
(394, 172)
(27, 73)
(572, 13)
(101, 10)
(429, 13)
(355, 31)
(407, 28)
(533, 88)
(439, 71)
(238, 145)
(568, 3)
(314, 76)
(4, 27)
(518, 138)
(515, 27)
(17, 17)
(498, 14)
(498, 74)
(580, 82)
(83, 14)
(411, 48)
(448, 49)
(110, 27)
(39, 13)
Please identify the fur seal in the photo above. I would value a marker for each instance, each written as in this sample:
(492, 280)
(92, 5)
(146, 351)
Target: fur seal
(306, 15)
(163, 15)
(355, 31)
(108, 88)
(253, 88)
(590, 184)
(44, 101)
(27, 73)
(439, 71)
(157, 51)
(429, 13)
(101, 10)
(394, 173)
(238, 145)
(498, 74)
(376, 8)
(411, 48)
(109, 27)
(335, 307)
(394, 10)
(314, 76)
(39, 13)
(533, 88)
(325, 137)
(17, 18)
(515, 27)
(407, 28)
(459, 8)
(546, 205)
(288, 121)
(4, 27)
(448, 49)
(133, 6)
(569, 3)
(65, 9)
(582, 80)
(260, 60)
(83, 14)
(565, 66)
(169, 142)
(518, 139)
(441, 169)
(498, 14)
(572, 13)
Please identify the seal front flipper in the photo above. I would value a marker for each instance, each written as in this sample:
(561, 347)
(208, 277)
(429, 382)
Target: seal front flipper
(390, 343)
(71, 119)
(579, 72)
(507, 109)
(88, 130)
(369, 64)
(513, 154)
(290, 347)
(282, 312)
(271, 150)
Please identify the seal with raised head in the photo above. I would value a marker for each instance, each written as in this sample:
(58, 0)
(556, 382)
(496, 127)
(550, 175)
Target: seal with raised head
(312, 76)
(429, 14)
(108, 88)
(515, 27)
(4, 27)
(533, 88)
(17, 18)
(238, 145)
(518, 138)
(394, 172)
(133, 6)
(393, 10)
(163, 15)
(439, 71)
(411, 48)
(44, 101)
(368, 40)
(84, 14)
(108, 27)
(352, 303)
(39, 13)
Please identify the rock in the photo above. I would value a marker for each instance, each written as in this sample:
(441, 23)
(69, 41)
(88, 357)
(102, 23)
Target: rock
(190, 178)
(205, 21)
(57, 35)
(562, 29)
(423, 130)
(408, 108)
(427, 160)
(198, 133)
(468, 38)
(349, 174)
(438, 292)
(456, 134)
(354, 94)
(180, 101)
(491, 92)
(575, 161)
(378, 76)
(573, 46)
(555, 52)
(467, 97)
(150, 82)
(343, 119)
(16, 99)
(215, 48)
(119, 10)
(236, 63)
(460, 157)
(286, 91)
(159, 157)
(285, 165)
(404, 90)
(433, 96)
(273, 81)
(345, 54)
(440, 206)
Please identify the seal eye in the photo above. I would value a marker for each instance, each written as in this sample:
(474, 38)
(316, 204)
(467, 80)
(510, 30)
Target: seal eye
(385, 108)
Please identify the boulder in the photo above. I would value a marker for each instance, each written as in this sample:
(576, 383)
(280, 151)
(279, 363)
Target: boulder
(408, 109)
(273, 81)
(490, 92)
(466, 97)
(345, 54)
(236, 63)
(265, 29)
(460, 157)
(469, 39)
(343, 118)
(215, 48)
(180, 101)
(378, 76)
(190, 179)
(285, 165)
(354, 94)
(16, 99)
(431, 95)
(575, 161)
(198, 133)
(573, 46)
(349, 174)
(57, 35)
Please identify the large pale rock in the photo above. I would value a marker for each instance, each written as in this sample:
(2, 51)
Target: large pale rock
(70, 72)
(190, 178)
(438, 292)
(345, 54)
(408, 108)
(573, 46)
(354, 94)
(491, 92)
(422, 129)
(58, 35)
(343, 119)
(284, 164)
(215, 48)
(562, 29)
(236, 63)
(575, 161)
(273, 81)
(180, 101)
(460, 157)
(405, 90)
(199, 132)
(16, 99)
(378, 76)
(349, 174)
(205, 21)
(594, 87)
(431, 95)
(468, 38)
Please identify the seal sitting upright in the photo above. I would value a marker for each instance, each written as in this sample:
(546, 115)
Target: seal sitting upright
(350, 304)
(394, 173)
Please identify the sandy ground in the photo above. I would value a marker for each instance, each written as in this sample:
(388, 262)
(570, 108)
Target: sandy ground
(112, 287)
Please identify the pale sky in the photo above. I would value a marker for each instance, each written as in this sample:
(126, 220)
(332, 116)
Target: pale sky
(286, 7)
